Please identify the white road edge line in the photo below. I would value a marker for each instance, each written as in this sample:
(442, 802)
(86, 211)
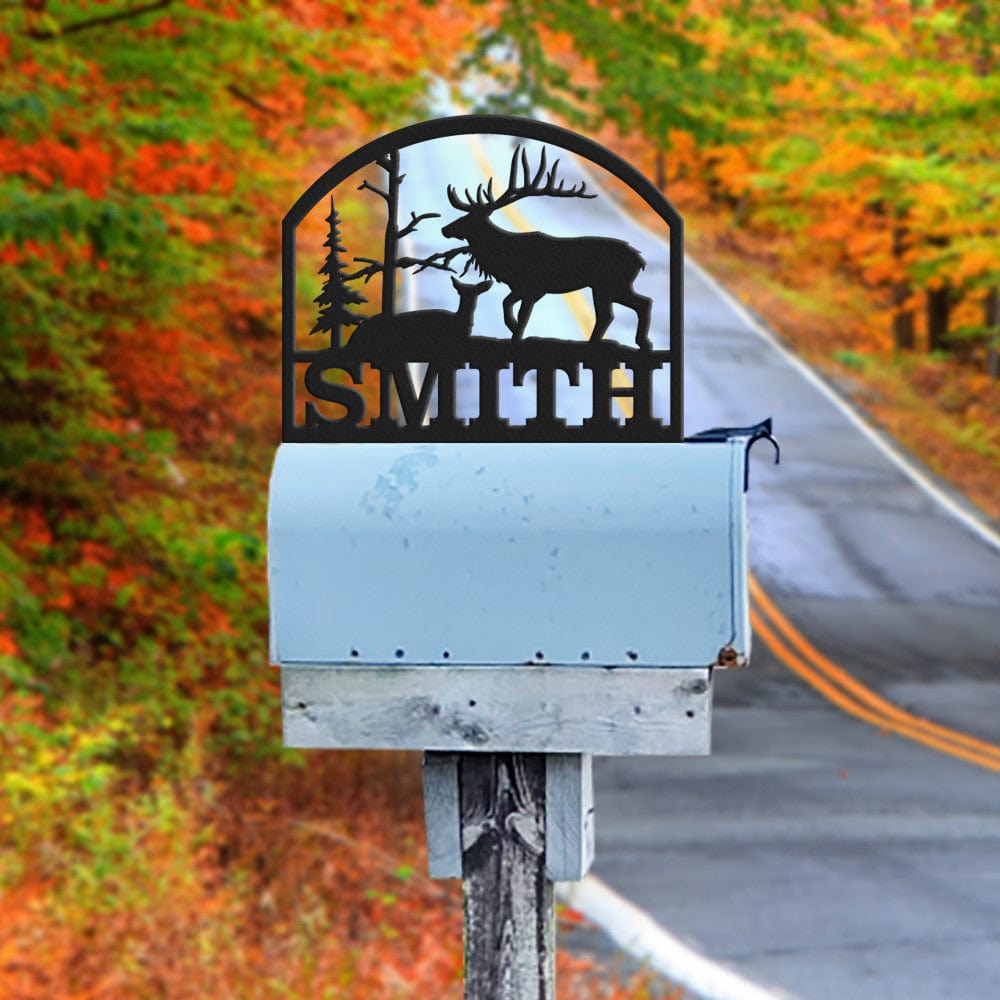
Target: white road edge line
(971, 520)
(974, 521)
(636, 932)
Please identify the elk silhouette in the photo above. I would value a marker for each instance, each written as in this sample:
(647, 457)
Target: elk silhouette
(536, 264)
(422, 327)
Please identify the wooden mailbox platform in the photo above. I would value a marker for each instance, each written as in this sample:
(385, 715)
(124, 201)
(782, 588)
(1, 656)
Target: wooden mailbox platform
(535, 709)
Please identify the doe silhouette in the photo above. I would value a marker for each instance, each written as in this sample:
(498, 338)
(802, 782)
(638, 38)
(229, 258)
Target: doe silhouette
(421, 328)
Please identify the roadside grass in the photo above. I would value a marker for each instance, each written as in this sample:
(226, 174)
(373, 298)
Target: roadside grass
(301, 877)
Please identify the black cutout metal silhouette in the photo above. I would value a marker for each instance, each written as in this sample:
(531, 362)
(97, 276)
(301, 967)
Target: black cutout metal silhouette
(409, 360)
(536, 264)
(762, 431)
(336, 295)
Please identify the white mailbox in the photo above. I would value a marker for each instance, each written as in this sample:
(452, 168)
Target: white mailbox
(515, 597)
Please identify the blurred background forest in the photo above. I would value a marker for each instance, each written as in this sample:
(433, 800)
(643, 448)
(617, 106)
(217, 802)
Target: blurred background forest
(837, 165)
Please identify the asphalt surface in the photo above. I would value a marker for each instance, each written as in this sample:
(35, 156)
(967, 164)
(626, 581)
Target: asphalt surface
(810, 851)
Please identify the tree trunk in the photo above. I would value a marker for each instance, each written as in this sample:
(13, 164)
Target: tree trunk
(391, 245)
(902, 319)
(938, 313)
(991, 320)
(660, 167)
(903, 336)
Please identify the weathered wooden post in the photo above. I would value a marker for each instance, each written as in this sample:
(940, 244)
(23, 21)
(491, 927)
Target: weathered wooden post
(511, 597)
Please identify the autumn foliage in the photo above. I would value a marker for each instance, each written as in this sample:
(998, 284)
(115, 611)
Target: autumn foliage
(835, 162)
(154, 838)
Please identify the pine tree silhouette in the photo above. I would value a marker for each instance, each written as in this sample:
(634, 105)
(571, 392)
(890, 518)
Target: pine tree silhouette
(337, 295)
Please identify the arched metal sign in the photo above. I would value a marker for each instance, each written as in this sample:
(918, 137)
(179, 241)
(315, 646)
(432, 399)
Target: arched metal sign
(498, 240)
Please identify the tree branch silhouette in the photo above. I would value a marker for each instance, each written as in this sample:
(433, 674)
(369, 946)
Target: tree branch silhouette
(374, 267)
(440, 261)
(370, 187)
(415, 221)
(95, 22)
(242, 95)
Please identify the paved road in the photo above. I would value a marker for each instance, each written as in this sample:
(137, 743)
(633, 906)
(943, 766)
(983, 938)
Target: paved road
(810, 851)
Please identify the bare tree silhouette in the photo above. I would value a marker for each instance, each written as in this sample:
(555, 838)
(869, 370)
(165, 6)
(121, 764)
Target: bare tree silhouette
(391, 262)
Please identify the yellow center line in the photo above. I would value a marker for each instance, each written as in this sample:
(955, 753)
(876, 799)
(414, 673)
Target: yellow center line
(783, 639)
(896, 723)
(801, 656)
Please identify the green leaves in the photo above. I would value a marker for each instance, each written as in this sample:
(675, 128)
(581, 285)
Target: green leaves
(112, 228)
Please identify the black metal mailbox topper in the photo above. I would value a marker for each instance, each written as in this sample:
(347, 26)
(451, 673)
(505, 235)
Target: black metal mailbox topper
(328, 396)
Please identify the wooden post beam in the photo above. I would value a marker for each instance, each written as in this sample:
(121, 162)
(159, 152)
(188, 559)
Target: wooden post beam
(509, 907)
(569, 815)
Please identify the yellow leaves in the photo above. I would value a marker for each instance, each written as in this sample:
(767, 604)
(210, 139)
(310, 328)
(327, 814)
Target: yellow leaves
(933, 203)
(981, 258)
(843, 156)
(732, 168)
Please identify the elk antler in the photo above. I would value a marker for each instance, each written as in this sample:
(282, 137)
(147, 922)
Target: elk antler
(532, 184)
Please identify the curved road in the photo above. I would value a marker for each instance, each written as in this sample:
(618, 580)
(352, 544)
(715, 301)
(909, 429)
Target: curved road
(811, 852)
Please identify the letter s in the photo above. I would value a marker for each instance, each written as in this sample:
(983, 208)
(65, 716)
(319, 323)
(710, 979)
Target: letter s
(333, 392)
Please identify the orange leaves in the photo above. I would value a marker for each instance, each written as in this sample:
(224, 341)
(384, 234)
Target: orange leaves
(83, 164)
(166, 27)
(8, 642)
(683, 149)
(176, 375)
(574, 918)
(35, 531)
(391, 39)
(86, 164)
(169, 168)
(195, 231)
(95, 554)
(215, 620)
(834, 227)
(883, 270)
(148, 365)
